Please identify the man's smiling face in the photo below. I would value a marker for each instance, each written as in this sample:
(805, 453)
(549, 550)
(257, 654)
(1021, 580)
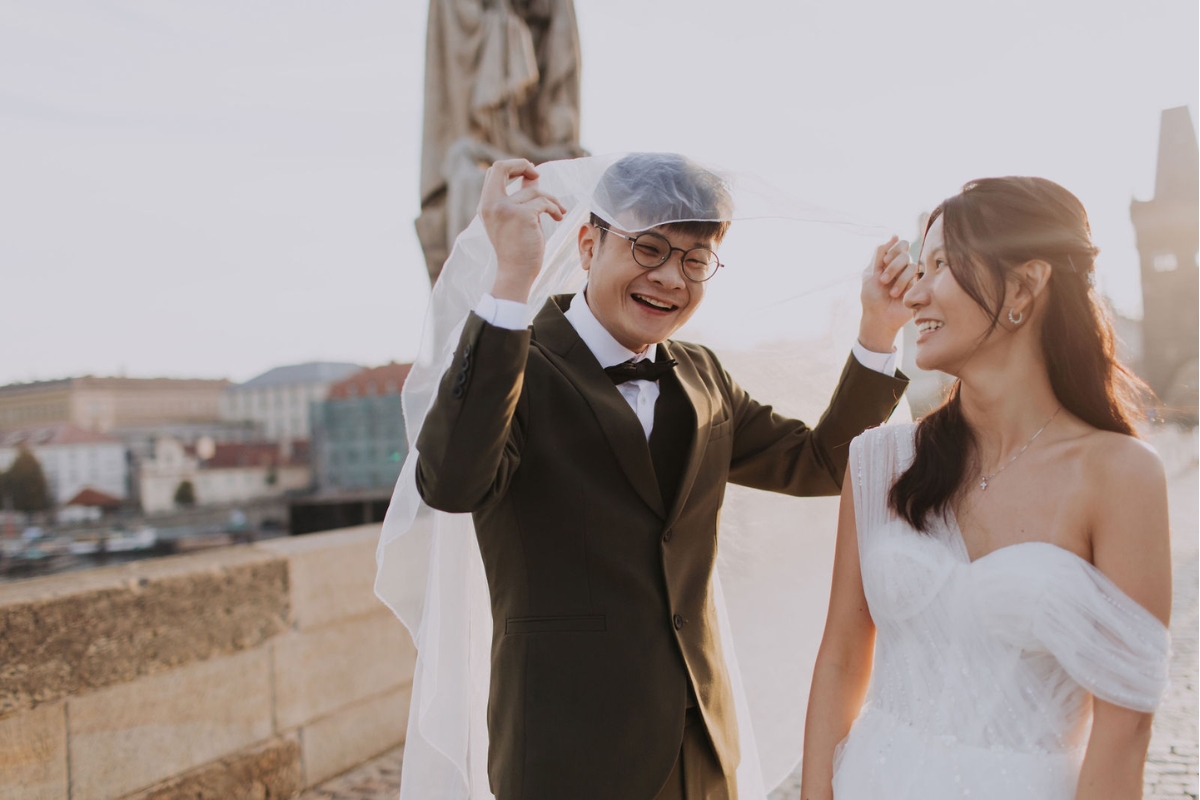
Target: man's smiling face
(639, 306)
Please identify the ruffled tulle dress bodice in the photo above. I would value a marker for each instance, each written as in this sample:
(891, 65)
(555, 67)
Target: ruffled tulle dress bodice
(984, 670)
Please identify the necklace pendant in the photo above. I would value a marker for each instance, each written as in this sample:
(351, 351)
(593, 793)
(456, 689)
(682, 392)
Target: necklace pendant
(983, 485)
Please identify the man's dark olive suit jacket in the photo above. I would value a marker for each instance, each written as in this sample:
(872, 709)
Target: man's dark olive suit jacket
(601, 596)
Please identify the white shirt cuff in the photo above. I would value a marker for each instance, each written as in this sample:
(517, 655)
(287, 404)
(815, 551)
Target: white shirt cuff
(880, 362)
(507, 314)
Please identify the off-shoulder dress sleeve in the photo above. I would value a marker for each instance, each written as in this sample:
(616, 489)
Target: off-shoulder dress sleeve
(1106, 641)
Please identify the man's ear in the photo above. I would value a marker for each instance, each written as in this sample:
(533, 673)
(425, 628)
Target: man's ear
(589, 244)
(1026, 284)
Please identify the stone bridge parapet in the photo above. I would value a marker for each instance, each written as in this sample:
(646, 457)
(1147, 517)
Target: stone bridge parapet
(248, 672)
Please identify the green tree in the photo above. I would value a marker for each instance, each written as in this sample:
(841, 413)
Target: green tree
(185, 494)
(25, 483)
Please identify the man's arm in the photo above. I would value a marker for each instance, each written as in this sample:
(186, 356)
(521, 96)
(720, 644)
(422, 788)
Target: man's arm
(785, 455)
(470, 444)
(779, 454)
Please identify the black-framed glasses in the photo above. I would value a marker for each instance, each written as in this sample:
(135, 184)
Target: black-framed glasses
(651, 250)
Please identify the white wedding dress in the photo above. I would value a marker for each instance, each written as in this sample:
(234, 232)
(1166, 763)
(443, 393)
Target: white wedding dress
(984, 671)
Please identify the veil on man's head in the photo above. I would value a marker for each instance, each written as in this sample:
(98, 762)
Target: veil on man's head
(782, 319)
(646, 190)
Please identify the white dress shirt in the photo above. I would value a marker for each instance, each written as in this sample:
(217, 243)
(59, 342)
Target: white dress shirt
(641, 395)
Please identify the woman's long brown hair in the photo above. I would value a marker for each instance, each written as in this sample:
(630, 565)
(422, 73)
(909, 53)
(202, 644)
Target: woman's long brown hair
(992, 227)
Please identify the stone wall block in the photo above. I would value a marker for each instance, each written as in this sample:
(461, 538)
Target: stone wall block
(319, 671)
(332, 575)
(128, 737)
(351, 735)
(269, 772)
(67, 634)
(33, 755)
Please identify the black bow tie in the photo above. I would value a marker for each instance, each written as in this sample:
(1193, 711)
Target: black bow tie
(644, 370)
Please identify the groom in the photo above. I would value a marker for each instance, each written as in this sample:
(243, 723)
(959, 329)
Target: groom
(593, 453)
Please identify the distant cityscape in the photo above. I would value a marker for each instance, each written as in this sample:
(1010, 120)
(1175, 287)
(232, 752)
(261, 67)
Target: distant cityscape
(109, 468)
(104, 469)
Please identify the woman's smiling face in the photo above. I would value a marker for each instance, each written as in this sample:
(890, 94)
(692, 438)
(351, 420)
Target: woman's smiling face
(950, 324)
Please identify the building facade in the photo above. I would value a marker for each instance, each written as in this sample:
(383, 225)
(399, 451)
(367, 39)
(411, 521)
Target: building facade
(72, 459)
(1168, 237)
(105, 404)
(225, 474)
(279, 400)
(359, 440)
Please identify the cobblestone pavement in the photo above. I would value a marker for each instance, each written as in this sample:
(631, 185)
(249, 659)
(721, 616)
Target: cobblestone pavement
(1171, 767)
(378, 779)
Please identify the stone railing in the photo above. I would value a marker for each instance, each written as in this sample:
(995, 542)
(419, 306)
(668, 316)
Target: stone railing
(249, 672)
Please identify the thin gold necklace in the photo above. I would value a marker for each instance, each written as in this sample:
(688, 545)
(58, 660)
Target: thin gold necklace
(983, 482)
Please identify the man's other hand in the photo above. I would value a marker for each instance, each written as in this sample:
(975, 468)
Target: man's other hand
(885, 281)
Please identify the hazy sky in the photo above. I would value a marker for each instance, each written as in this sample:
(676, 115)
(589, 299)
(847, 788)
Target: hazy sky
(213, 189)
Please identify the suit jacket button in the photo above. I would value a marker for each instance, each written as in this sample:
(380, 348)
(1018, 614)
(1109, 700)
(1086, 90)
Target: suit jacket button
(667, 536)
(457, 393)
(461, 380)
(678, 620)
(466, 350)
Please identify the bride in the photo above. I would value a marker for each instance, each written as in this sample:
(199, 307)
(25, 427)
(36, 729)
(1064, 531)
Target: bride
(1002, 578)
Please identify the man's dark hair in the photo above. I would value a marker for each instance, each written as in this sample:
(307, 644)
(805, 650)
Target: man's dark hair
(651, 189)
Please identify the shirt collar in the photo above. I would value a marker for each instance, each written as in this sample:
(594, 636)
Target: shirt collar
(607, 350)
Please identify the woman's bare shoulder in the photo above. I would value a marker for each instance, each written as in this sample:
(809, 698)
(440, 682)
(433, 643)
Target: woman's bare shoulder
(1126, 487)
(1117, 464)
(1129, 520)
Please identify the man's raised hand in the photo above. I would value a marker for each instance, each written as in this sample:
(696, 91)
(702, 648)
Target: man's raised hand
(884, 283)
(513, 224)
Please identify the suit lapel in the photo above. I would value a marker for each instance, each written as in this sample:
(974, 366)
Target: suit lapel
(562, 345)
(697, 394)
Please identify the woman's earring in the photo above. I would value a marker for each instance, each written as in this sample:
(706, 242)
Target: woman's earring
(1018, 319)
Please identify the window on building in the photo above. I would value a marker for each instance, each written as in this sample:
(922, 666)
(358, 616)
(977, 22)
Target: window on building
(1165, 262)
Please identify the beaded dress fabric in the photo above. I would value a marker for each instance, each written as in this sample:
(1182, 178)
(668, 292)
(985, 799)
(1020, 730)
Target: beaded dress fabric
(984, 671)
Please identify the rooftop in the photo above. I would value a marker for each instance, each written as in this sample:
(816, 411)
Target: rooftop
(88, 496)
(311, 372)
(1176, 177)
(388, 379)
(253, 454)
(60, 433)
(99, 382)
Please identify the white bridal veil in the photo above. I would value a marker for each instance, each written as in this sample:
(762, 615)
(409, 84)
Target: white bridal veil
(782, 315)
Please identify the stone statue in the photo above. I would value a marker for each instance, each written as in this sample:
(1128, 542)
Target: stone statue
(501, 81)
